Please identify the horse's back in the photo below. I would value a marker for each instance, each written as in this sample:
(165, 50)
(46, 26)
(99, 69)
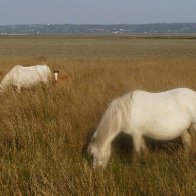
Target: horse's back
(41, 70)
(176, 99)
(27, 76)
(15, 68)
(35, 67)
(175, 94)
(168, 112)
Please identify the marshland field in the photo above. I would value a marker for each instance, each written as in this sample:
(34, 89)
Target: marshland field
(44, 131)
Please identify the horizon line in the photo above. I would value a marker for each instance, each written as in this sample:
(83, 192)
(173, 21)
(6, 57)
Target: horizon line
(98, 23)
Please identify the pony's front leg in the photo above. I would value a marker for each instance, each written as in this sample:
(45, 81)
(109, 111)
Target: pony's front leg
(186, 140)
(139, 144)
(18, 89)
(46, 83)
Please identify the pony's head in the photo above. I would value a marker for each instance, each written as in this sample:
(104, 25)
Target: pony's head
(56, 75)
(99, 156)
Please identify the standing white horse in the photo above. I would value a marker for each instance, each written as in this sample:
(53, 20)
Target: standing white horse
(26, 77)
(160, 116)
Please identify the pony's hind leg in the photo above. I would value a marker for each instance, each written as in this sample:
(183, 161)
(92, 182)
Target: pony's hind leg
(186, 140)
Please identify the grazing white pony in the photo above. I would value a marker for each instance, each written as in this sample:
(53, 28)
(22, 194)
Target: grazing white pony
(160, 116)
(26, 77)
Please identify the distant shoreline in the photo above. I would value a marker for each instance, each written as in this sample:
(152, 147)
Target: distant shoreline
(119, 36)
(48, 29)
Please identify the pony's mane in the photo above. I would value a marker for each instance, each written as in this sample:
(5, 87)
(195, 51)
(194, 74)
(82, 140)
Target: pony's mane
(113, 119)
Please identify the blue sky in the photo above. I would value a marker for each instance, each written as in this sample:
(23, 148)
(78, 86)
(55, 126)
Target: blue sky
(96, 11)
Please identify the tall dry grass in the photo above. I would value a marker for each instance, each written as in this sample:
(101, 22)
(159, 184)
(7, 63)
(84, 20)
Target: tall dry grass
(43, 131)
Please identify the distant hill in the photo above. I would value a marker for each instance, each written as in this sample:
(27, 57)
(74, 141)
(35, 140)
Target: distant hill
(98, 29)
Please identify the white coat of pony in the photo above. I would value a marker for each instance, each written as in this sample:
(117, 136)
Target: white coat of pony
(26, 77)
(160, 116)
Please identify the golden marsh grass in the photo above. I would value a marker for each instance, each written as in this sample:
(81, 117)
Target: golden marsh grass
(43, 130)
